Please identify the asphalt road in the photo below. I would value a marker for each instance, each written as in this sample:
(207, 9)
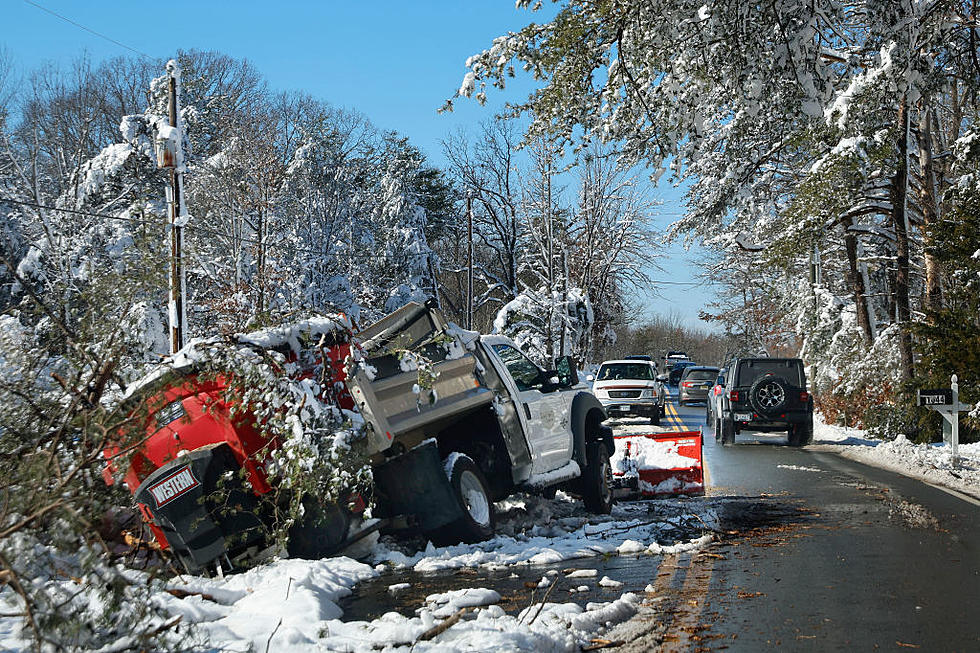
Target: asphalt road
(821, 554)
(816, 553)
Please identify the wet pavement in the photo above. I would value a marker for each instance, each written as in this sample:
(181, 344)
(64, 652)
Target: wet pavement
(812, 552)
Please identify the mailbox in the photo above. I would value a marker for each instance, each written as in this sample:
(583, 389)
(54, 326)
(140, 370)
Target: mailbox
(939, 397)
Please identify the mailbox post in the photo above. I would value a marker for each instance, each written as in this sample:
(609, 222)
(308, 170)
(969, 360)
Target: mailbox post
(946, 402)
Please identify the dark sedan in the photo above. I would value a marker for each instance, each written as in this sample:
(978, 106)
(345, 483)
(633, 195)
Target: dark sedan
(696, 382)
(674, 377)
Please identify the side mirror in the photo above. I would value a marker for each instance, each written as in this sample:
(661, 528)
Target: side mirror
(662, 378)
(567, 374)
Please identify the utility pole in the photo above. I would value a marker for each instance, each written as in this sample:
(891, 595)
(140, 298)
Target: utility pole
(469, 261)
(170, 155)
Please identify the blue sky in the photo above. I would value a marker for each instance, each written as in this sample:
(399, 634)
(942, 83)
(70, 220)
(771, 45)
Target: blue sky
(395, 62)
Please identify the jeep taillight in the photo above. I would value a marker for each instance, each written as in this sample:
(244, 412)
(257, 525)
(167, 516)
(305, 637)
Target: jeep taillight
(804, 397)
(733, 395)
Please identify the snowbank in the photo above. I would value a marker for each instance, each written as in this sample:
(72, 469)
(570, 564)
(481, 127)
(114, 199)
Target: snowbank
(929, 462)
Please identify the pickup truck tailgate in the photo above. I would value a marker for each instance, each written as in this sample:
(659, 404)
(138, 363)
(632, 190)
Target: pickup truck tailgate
(384, 385)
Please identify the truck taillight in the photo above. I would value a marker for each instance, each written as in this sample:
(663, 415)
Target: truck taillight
(804, 397)
(733, 395)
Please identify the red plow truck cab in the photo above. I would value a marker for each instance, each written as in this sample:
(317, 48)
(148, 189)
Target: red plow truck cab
(186, 473)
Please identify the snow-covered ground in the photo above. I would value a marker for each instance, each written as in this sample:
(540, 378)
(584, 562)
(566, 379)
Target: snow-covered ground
(929, 462)
(293, 604)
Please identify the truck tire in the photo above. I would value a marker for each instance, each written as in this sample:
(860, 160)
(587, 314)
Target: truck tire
(320, 532)
(717, 425)
(655, 420)
(476, 522)
(727, 431)
(597, 480)
(800, 434)
(769, 394)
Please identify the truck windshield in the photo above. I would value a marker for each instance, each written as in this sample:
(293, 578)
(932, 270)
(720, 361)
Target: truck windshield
(618, 371)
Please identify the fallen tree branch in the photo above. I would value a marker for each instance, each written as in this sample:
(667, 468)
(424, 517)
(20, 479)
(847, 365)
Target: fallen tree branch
(437, 630)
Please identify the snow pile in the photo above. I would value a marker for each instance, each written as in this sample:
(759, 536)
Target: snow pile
(540, 627)
(298, 335)
(287, 600)
(448, 603)
(543, 532)
(929, 462)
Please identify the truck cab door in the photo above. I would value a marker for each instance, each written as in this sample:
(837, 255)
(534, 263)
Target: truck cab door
(544, 414)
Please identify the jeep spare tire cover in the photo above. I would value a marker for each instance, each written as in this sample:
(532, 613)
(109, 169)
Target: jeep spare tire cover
(768, 394)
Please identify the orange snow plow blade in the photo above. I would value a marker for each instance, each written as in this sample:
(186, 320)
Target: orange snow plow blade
(659, 464)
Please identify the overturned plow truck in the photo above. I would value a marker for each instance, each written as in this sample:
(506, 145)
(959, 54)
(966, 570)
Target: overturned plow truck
(447, 421)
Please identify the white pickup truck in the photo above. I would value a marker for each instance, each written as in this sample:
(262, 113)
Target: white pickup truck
(456, 421)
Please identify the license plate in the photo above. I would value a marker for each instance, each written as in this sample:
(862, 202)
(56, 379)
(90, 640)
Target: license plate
(622, 408)
(743, 417)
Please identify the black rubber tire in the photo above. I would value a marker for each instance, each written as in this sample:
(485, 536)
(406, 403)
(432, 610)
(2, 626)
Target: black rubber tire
(657, 413)
(597, 480)
(727, 432)
(718, 429)
(769, 394)
(549, 492)
(800, 434)
(471, 491)
(320, 532)
(707, 414)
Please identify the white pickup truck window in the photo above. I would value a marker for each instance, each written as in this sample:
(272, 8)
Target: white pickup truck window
(524, 371)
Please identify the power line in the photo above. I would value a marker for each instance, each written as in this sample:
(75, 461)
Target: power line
(204, 230)
(191, 227)
(89, 30)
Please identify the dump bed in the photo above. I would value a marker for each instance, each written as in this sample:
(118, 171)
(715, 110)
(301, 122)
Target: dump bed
(418, 375)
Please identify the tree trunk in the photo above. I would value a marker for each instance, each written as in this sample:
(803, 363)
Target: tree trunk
(855, 281)
(929, 197)
(900, 188)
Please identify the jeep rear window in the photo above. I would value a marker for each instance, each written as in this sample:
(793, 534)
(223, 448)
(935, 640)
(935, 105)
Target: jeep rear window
(749, 371)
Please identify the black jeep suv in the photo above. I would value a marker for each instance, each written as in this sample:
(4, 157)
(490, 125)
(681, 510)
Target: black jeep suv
(766, 394)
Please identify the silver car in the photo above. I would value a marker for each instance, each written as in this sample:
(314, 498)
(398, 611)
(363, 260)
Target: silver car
(695, 383)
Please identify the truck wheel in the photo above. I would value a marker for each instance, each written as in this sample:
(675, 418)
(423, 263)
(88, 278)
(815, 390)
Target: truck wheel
(727, 431)
(717, 422)
(800, 434)
(769, 394)
(655, 420)
(320, 532)
(597, 480)
(470, 488)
